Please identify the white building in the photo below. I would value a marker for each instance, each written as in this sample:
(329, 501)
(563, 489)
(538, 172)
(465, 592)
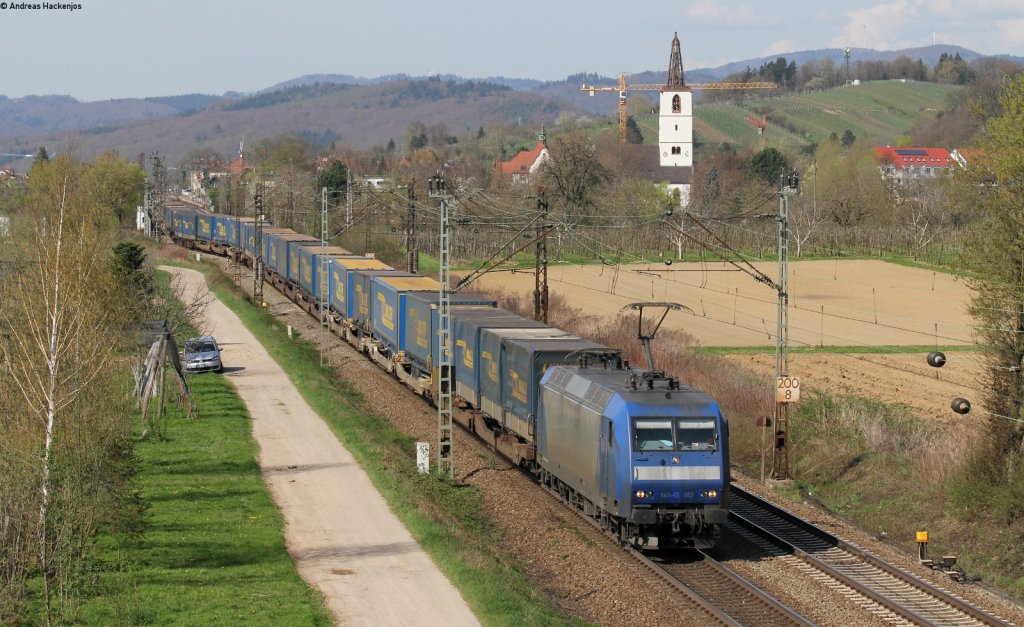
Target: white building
(675, 127)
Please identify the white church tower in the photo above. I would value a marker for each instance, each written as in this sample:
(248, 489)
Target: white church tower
(675, 123)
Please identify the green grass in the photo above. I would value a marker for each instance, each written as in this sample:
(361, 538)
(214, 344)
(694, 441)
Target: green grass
(212, 552)
(876, 111)
(446, 519)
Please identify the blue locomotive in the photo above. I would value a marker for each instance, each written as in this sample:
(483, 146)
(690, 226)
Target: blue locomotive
(643, 455)
(647, 457)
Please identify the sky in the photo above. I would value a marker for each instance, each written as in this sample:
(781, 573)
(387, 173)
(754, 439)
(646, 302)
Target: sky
(107, 49)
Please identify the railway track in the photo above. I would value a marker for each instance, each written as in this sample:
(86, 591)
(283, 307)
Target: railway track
(725, 595)
(909, 598)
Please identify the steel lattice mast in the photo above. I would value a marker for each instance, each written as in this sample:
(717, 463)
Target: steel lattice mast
(445, 428)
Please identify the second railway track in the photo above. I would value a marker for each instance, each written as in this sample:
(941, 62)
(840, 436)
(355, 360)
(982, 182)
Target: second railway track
(908, 597)
(735, 601)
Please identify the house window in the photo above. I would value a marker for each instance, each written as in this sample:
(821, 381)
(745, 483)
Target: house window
(676, 150)
(677, 106)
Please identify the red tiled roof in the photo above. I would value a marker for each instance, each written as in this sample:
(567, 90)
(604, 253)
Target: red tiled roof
(909, 157)
(239, 166)
(522, 162)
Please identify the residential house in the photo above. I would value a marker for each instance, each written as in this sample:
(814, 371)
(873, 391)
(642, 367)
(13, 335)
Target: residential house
(904, 165)
(520, 168)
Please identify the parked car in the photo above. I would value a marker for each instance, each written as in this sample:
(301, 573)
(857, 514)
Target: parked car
(202, 354)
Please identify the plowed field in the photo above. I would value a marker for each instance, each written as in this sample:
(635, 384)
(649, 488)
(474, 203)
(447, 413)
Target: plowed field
(854, 304)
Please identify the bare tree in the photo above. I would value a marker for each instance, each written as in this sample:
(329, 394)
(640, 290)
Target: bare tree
(808, 216)
(61, 330)
(922, 214)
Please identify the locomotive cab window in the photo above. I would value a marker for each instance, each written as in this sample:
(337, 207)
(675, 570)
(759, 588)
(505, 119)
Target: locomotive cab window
(653, 435)
(696, 434)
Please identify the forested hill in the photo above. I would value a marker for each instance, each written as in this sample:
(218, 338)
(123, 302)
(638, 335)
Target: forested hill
(41, 114)
(360, 116)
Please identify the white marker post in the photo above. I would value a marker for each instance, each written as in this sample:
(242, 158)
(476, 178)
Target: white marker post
(423, 457)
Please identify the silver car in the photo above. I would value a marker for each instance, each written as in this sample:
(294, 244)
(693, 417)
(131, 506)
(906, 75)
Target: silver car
(202, 354)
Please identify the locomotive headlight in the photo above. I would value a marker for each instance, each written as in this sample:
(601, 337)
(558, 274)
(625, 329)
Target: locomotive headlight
(641, 494)
(709, 494)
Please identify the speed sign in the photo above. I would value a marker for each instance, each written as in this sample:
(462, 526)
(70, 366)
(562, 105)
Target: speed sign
(787, 389)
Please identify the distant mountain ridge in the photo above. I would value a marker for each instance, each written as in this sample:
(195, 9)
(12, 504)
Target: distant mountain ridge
(354, 110)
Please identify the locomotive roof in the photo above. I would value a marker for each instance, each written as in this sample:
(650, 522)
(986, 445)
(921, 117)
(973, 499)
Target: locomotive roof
(617, 381)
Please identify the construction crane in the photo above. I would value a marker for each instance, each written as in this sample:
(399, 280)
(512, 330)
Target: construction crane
(762, 126)
(675, 82)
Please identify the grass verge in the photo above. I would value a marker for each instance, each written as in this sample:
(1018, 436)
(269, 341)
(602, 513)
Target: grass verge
(212, 552)
(447, 520)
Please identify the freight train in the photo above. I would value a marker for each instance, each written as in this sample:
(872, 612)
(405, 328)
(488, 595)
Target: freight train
(642, 455)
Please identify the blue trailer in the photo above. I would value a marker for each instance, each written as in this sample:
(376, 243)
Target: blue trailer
(341, 269)
(422, 327)
(360, 290)
(236, 226)
(388, 310)
(275, 256)
(204, 226)
(310, 261)
(466, 358)
(184, 223)
(289, 246)
(222, 226)
(512, 361)
(249, 238)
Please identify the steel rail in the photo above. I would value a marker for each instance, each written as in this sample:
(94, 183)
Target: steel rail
(897, 590)
(739, 598)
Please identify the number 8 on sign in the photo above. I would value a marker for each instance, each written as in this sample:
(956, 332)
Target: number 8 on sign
(787, 389)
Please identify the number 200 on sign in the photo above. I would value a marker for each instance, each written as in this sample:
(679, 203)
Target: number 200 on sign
(787, 390)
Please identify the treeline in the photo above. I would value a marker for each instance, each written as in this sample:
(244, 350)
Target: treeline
(288, 94)
(825, 73)
(65, 395)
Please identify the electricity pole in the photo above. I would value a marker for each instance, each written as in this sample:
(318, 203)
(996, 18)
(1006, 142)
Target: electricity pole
(786, 392)
(257, 265)
(437, 189)
(410, 229)
(320, 288)
(540, 290)
(348, 199)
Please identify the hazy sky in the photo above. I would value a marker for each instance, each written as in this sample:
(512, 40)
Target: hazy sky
(128, 48)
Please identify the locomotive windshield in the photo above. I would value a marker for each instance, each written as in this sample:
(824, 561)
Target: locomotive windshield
(654, 435)
(675, 434)
(696, 434)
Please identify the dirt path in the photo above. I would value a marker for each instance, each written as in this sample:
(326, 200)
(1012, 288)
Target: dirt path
(338, 529)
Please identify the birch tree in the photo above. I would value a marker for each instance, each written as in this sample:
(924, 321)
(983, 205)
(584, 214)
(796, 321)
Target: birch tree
(66, 417)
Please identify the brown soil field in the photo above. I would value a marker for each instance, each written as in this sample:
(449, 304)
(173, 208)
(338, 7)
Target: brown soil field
(852, 303)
